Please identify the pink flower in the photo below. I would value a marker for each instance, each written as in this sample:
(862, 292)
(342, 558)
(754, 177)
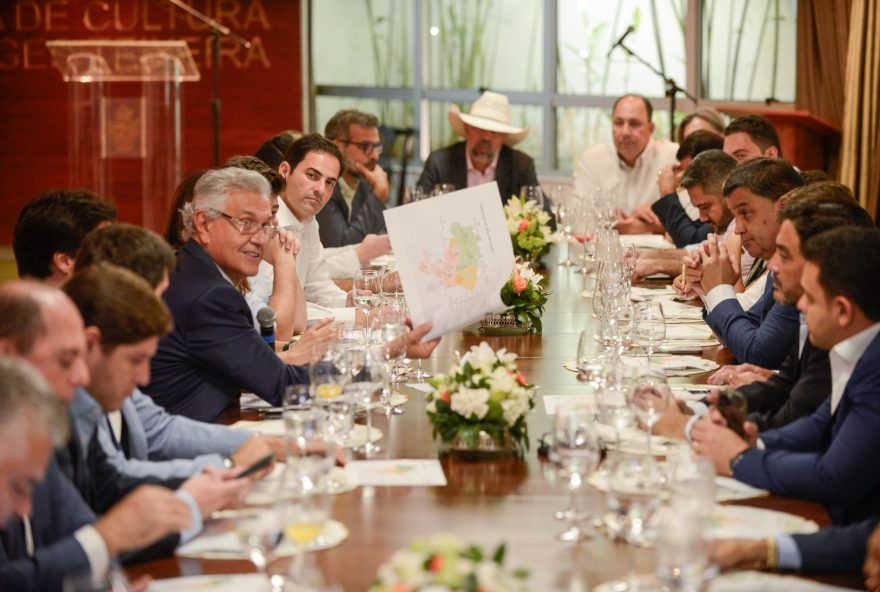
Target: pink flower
(523, 224)
(519, 284)
(401, 588)
(445, 396)
(436, 563)
(520, 378)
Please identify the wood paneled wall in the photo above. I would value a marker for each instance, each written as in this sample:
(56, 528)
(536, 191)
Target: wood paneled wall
(261, 88)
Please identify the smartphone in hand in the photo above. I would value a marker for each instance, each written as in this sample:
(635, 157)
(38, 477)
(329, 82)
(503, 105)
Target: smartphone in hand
(732, 405)
(256, 467)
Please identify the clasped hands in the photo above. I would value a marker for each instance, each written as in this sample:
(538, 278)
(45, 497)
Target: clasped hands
(706, 267)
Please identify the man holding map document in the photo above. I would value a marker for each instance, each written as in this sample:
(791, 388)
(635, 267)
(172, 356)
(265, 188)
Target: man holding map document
(453, 253)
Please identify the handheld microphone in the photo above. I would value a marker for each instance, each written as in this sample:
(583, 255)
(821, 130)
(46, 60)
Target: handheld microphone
(266, 320)
(617, 43)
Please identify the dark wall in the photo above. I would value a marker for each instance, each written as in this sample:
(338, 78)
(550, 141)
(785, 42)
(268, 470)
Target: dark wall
(260, 88)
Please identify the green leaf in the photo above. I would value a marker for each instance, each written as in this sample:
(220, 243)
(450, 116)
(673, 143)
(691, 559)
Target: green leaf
(498, 556)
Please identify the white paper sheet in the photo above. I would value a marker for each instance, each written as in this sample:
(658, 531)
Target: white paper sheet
(454, 254)
(552, 402)
(397, 472)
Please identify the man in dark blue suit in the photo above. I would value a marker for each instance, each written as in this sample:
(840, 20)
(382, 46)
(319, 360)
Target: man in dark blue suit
(40, 325)
(830, 456)
(214, 352)
(763, 334)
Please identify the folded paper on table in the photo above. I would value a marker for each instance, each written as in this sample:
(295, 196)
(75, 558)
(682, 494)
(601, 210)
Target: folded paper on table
(252, 401)
(342, 315)
(553, 402)
(680, 310)
(725, 491)
(672, 365)
(397, 472)
(423, 387)
(275, 427)
(647, 241)
(690, 332)
(453, 254)
(640, 294)
(632, 440)
(227, 545)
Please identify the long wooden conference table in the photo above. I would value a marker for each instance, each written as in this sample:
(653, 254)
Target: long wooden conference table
(487, 501)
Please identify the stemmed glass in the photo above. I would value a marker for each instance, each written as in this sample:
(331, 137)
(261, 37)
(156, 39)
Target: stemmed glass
(633, 496)
(650, 398)
(442, 188)
(363, 391)
(584, 228)
(649, 327)
(629, 257)
(414, 193)
(303, 517)
(590, 367)
(260, 534)
(387, 346)
(576, 451)
(328, 373)
(613, 410)
(533, 193)
(566, 213)
(366, 290)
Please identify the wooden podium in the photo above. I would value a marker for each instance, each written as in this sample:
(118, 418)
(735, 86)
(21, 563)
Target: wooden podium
(808, 142)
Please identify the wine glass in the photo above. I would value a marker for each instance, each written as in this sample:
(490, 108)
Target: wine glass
(414, 193)
(576, 451)
(363, 390)
(591, 367)
(303, 517)
(442, 188)
(649, 327)
(584, 229)
(683, 553)
(533, 193)
(260, 534)
(325, 374)
(613, 410)
(630, 257)
(633, 496)
(366, 290)
(649, 399)
(310, 452)
(387, 346)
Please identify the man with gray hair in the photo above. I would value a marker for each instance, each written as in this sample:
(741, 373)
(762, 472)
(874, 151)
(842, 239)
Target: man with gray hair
(214, 352)
(32, 423)
(354, 212)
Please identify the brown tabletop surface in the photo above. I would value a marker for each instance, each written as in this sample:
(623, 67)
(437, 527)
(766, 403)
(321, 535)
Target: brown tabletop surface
(486, 501)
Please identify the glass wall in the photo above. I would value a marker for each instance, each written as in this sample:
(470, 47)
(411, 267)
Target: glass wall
(407, 61)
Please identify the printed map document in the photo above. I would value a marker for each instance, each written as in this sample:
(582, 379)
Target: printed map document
(453, 254)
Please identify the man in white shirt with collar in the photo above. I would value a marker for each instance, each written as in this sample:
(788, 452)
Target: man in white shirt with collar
(311, 166)
(627, 169)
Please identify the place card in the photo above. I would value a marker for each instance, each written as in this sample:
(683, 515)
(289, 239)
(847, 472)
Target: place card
(396, 472)
(552, 402)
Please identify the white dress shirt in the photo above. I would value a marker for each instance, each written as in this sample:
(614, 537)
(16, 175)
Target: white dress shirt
(843, 358)
(311, 267)
(602, 167)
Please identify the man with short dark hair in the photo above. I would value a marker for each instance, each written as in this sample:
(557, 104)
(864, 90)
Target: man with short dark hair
(830, 456)
(751, 136)
(763, 334)
(627, 169)
(50, 228)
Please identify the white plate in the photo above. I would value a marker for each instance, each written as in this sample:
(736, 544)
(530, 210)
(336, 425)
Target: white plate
(217, 583)
(754, 581)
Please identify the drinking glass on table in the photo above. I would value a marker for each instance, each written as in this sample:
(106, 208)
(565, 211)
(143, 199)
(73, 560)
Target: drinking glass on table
(633, 495)
(649, 327)
(584, 230)
(326, 376)
(303, 517)
(442, 188)
(387, 346)
(649, 399)
(683, 553)
(576, 451)
(363, 391)
(366, 290)
(414, 193)
(310, 453)
(260, 534)
(566, 209)
(533, 193)
(613, 410)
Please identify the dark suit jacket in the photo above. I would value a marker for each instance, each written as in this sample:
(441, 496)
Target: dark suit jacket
(678, 224)
(762, 335)
(835, 549)
(366, 217)
(830, 459)
(797, 390)
(213, 351)
(58, 512)
(449, 165)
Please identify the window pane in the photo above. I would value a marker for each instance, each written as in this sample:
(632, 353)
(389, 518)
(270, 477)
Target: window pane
(520, 116)
(485, 43)
(749, 50)
(588, 29)
(362, 43)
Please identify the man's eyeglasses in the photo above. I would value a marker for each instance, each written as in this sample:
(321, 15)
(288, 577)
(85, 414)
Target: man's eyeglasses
(366, 147)
(249, 227)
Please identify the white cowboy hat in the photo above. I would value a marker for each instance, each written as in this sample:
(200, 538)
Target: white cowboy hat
(490, 112)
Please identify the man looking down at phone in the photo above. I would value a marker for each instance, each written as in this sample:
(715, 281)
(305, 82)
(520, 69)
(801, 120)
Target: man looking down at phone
(830, 456)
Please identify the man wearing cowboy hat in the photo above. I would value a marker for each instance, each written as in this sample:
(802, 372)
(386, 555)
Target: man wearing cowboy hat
(486, 154)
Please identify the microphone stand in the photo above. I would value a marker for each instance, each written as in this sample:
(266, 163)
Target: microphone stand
(216, 31)
(672, 88)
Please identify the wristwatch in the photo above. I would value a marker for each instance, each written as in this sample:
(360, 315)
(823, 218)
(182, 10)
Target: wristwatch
(736, 459)
(228, 463)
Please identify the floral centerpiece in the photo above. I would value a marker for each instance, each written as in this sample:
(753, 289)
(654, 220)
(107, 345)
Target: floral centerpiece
(526, 296)
(529, 231)
(444, 564)
(483, 396)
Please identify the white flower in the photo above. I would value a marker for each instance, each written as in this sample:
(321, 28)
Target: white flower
(432, 406)
(514, 408)
(467, 401)
(502, 381)
(481, 357)
(403, 566)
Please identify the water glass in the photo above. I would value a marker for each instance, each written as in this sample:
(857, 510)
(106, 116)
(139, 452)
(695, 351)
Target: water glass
(533, 193)
(649, 399)
(683, 553)
(633, 497)
(649, 327)
(576, 451)
(441, 188)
